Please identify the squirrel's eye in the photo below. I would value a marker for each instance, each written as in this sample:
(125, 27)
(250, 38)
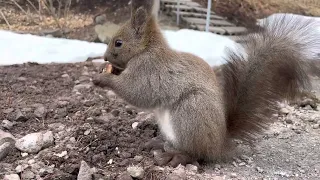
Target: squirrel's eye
(118, 43)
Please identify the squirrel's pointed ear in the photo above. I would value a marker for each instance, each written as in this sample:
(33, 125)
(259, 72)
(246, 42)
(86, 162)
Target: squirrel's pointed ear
(139, 19)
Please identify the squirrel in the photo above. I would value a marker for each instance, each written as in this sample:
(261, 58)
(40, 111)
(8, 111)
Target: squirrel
(198, 112)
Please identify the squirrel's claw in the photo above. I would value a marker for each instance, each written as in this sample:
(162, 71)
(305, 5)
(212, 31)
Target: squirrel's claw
(173, 159)
(154, 144)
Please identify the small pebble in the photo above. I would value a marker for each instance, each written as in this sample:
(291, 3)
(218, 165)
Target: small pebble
(233, 175)
(110, 161)
(135, 125)
(138, 158)
(7, 124)
(136, 172)
(316, 126)
(87, 132)
(259, 169)
(289, 121)
(284, 111)
(192, 168)
(31, 161)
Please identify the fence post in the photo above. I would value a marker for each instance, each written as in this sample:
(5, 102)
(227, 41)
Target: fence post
(156, 9)
(178, 13)
(208, 15)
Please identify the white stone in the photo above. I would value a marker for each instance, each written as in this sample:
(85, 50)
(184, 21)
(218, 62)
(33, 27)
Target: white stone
(85, 172)
(135, 125)
(34, 142)
(11, 177)
(136, 172)
(62, 154)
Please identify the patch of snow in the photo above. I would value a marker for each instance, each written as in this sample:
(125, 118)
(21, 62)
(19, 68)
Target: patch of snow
(210, 47)
(21, 48)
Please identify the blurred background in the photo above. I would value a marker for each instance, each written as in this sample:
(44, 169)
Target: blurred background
(97, 20)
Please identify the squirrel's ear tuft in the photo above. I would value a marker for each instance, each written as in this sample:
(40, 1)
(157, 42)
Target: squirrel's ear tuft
(139, 19)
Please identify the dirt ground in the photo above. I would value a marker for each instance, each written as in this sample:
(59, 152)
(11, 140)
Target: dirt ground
(93, 125)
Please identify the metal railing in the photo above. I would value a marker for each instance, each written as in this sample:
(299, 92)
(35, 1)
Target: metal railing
(207, 18)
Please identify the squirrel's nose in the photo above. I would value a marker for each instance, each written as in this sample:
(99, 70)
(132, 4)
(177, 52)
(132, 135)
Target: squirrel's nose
(105, 57)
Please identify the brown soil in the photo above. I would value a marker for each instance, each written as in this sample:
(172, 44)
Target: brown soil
(109, 120)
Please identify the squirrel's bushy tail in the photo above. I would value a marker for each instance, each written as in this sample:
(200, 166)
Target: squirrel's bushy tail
(269, 71)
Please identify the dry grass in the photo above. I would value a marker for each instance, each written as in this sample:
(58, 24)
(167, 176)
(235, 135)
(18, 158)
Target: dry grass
(307, 7)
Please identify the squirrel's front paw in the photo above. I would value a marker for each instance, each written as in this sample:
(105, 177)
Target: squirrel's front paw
(100, 80)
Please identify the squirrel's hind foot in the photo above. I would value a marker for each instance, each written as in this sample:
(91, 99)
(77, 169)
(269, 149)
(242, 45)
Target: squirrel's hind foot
(173, 159)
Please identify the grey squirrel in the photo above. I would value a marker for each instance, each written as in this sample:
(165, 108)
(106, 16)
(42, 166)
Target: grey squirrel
(198, 113)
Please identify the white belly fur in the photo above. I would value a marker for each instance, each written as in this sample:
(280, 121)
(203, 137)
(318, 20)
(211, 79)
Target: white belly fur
(165, 123)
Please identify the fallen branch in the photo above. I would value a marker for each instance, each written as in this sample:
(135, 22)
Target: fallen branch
(5, 19)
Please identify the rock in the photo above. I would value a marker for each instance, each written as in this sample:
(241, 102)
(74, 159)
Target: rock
(217, 166)
(25, 175)
(82, 86)
(52, 33)
(126, 155)
(20, 117)
(7, 124)
(40, 111)
(6, 137)
(98, 158)
(111, 94)
(115, 112)
(124, 162)
(284, 111)
(192, 168)
(289, 121)
(34, 142)
(21, 168)
(316, 126)
(138, 158)
(178, 173)
(24, 154)
(87, 132)
(56, 127)
(22, 78)
(233, 175)
(8, 111)
(62, 154)
(124, 176)
(135, 125)
(100, 19)
(31, 161)
(5, 148)
(60, 113)
(11, 177)
(136, 172)
(85, 172)
(65, 76)
(62, 104)
(259, 169)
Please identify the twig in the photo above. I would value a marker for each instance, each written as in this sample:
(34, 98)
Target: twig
(24, 11)
(19, 7)
(33, 6)
(5, 19)
(50, 10)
